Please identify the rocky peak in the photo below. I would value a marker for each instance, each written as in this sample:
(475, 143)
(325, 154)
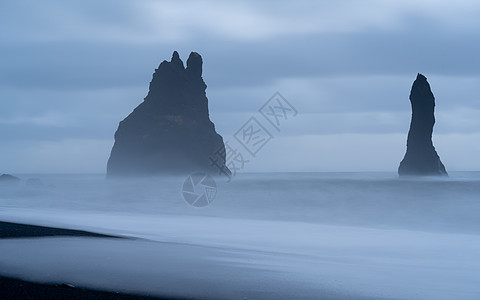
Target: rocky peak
(421, 157)
(170, 132)
(194, 65)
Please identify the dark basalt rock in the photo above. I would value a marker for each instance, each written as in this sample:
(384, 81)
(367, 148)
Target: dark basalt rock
(7, 178)
(34, 182)
(421, 157)
(170, 132)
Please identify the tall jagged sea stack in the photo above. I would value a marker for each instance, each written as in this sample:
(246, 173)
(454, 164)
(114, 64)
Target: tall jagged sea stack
(170, 132)
(421, 157)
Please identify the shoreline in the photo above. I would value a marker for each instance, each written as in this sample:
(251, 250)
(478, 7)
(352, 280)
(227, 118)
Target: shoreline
(15, 288)
(9, 230)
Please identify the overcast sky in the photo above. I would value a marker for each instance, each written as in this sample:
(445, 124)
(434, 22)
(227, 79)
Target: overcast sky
(71, 70)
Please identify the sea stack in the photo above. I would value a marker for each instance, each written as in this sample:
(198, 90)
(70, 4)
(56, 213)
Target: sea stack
(170, 132)
(7, 178)
(421, 158)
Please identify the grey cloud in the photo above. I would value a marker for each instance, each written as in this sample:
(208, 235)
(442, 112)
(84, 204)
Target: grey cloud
(74, 69)
(75, 65)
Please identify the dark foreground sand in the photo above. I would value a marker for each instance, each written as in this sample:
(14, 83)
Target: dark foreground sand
(11, 288)
(14, 230)
(19, 289)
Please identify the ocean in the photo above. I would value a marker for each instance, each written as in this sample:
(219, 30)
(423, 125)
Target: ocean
(259, 236)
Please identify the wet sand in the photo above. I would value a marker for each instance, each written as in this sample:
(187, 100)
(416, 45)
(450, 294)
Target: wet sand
(11, 288)
(10, 230)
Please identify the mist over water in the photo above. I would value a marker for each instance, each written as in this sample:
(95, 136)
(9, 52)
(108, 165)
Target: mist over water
(358, 199)
(338, 234)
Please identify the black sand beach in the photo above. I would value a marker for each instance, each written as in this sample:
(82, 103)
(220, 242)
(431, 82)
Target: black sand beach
(11, 288)
(19, 289)
(10, 230)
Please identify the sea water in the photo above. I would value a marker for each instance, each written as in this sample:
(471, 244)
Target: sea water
(264, 235)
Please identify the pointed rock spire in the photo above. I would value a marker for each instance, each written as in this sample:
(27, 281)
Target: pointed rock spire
(421, 157)
(176, 61)
(194, 65)
(175, 56)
